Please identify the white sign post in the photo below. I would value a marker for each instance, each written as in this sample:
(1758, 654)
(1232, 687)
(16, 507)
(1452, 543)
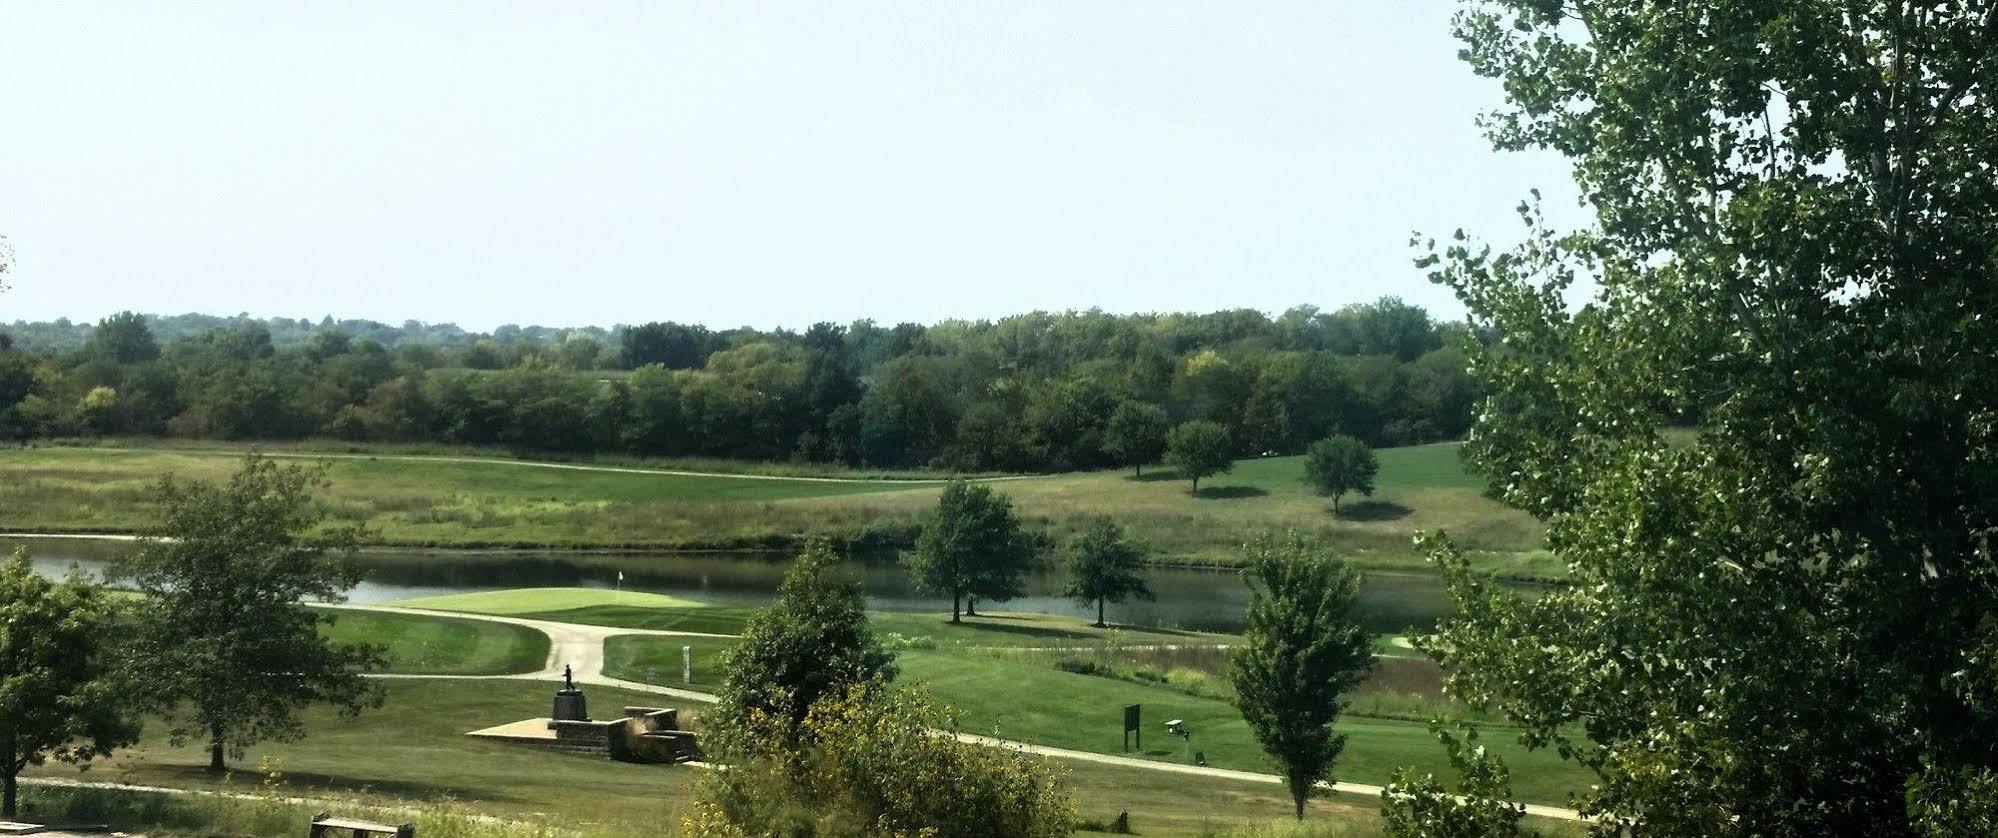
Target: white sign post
(687, 664)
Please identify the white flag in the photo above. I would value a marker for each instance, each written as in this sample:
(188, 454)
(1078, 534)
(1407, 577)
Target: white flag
(620, 576)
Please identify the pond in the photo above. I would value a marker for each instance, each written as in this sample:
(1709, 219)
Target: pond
(1187, 598)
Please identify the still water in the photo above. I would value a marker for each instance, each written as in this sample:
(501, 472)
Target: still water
(1204, 600)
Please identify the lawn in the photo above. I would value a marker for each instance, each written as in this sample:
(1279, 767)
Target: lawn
(413, 500)
(441, 645)
(413, 748)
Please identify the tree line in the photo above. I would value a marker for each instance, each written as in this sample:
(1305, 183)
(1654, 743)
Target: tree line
(1035, 392)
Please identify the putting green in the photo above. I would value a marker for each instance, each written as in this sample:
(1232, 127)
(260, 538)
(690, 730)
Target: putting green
(535, 600)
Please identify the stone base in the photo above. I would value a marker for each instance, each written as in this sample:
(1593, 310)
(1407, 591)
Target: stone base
(643, 734)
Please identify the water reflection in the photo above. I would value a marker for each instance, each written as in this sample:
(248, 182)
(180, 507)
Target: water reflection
(1207, 600)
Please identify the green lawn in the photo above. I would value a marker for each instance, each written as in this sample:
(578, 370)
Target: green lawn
(413, 748)
(417, 501)
(441, 645)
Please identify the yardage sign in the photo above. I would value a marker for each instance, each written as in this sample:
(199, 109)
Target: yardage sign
(1131, 726)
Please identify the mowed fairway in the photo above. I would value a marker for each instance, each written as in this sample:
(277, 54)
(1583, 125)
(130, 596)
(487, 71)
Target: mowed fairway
(442, 645)
(437, 501)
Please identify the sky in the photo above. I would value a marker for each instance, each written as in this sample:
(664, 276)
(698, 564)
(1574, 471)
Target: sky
(760, 164)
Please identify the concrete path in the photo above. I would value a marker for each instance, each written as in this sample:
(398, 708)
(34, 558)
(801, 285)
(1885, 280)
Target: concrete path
(577, 646)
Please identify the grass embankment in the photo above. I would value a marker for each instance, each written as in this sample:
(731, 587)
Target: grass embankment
(424, 501)
(441, 645)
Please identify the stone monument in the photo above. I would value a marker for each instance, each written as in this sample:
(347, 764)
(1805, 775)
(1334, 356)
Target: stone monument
(569, 704)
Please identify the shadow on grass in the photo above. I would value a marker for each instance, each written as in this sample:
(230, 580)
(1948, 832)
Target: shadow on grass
(1154, 476)
(1374, 510)
(1231, 492)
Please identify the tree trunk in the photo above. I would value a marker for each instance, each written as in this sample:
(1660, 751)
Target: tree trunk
(1298, 797)
(1196, 485)
(1141, 469)
(1335, 506)
(215, 750)
(971, 606)
(7, 806)
(954, 597)
(1099, 613)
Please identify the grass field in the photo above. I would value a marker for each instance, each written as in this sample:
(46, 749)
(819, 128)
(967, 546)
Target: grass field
(999, 671)
(414, 749)
(441, 645)
(417, 501)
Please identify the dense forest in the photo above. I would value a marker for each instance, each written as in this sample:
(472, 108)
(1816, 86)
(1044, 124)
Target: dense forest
(1033, 392)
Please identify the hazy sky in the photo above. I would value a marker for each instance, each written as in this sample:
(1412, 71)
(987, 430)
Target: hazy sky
(736, 163)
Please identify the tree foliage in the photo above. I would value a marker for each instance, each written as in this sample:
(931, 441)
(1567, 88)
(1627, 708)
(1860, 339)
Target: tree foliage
(971, 547)
(1303, 648)
(877, 766)
(813, 641)
(230, 653)
(1105, 565)
(1478, 805)
(1339, 464)
(60, 694)
(1779, 622)
(1136, 434)
(1200, 449)
(1031, 392)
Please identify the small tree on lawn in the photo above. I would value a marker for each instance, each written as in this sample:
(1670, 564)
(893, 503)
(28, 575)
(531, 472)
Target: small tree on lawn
(231, 655)
(1103, 564)
(813, 641)
(971, 546)
(1303, 649)
(57, 696)
(1200, 448)
(1136, 434)
(1339, 464)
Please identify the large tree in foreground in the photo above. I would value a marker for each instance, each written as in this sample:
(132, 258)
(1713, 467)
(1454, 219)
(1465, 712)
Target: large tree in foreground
(231, 654)
(813, 641)
(58, 695)
(1303, 647)
(971, 546)
(1785, 622)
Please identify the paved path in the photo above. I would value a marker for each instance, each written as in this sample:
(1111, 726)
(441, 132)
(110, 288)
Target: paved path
(501, 461)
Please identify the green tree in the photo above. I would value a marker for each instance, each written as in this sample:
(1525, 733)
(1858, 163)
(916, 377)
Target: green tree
(1780, 624)
(1200, 448)
(231, 654)
(971, 546)
(1479, 805)
(813, 641)
(1105, 565)
(1303, 647)
(58, 695)
(1339, 464)
(870, 762)
(1136, 434)
(124, 338)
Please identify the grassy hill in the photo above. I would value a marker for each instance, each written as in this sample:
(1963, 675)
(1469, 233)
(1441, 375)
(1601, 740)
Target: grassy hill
(485, 501)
